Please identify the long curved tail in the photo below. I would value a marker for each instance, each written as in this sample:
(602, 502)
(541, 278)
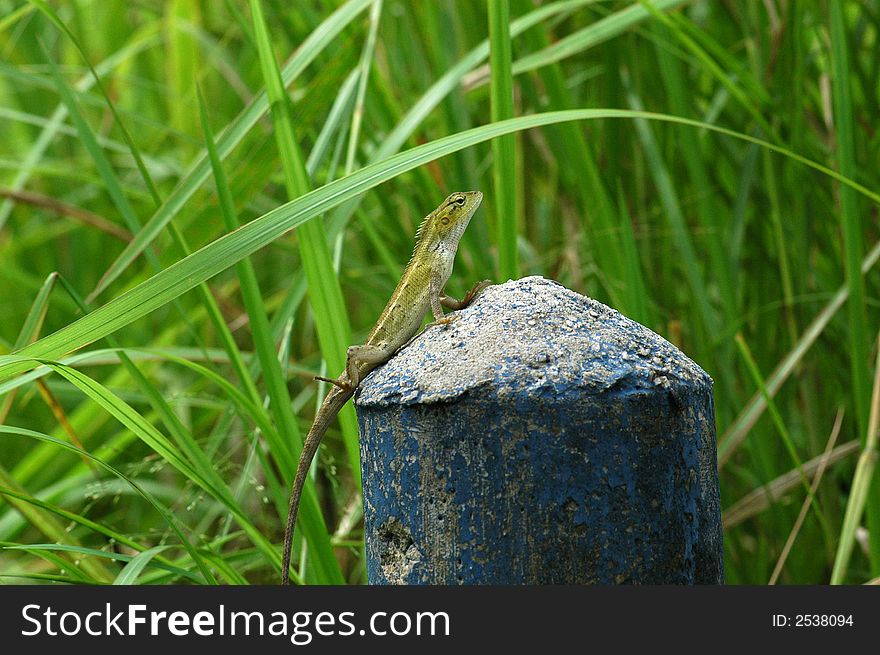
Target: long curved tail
(333, 402)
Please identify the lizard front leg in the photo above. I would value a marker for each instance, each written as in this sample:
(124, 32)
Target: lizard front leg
(435, 289)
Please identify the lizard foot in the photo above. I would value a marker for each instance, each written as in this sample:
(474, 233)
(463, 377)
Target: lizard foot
(446, 320)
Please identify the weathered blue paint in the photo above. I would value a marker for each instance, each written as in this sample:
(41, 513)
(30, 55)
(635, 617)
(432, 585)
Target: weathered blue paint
(543, 438)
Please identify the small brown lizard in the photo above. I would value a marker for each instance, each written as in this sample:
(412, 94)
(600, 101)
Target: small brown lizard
(420, 289)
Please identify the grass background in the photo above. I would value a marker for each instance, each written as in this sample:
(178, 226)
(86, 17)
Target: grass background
(708, 168)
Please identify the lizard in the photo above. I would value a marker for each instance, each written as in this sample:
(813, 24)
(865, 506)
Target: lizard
(420, 289)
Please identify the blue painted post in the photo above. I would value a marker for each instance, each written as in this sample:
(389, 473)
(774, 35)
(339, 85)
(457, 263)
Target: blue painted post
(540, 438)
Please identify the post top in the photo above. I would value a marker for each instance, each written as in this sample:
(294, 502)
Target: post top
(530, 336)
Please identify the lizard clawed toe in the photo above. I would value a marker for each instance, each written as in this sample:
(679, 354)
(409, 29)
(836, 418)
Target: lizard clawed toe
(445, 321)
(342, 385)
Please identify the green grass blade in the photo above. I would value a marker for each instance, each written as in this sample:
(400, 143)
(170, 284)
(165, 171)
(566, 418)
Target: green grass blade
(247, 408)
(452, 78)
(668, 197)
(324, 291)
(342, 106)
(599, 32)
(93, 552)
(712, 66)
(47, 554)
(108, 175)
(131, 571)
(29, 331)
(862, 482)
(780, 426)
(37, 313)
(132, 147)
(636, 290)
(181, 63)
(447, 83)
(363, 77)
(676, 86)
(182, 436)
(47, 549)
(14, 16)
(760, 499)
(739, 429)
(851, 226)
(503, 148)
(47, 577)
(264, 342)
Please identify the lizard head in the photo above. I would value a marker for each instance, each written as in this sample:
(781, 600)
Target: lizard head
(449, 220)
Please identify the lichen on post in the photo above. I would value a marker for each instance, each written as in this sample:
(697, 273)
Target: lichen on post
(541, 438)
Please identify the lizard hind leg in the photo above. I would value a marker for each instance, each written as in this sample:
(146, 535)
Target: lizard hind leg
(364, 354)
(337, 383)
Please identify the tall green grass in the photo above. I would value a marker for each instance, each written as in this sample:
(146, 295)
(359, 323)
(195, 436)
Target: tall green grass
(706, 168)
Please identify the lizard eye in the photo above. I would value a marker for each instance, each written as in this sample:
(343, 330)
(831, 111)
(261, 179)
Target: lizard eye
(460, 200)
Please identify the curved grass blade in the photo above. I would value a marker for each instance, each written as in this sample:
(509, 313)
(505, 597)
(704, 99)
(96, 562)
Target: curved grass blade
(323, 35)
(167, 515)
(448, 82)
(853, 245)
(87, 523)
(199, 471)
(132, 148)
(363, 73)
(47, 524)
(861, 484)
(48, 555)
(760, 499)
(597, 33)
(33, 322)
(47, 577)
(231, 248)
(45, 550)
(130, 572)
(503, 148)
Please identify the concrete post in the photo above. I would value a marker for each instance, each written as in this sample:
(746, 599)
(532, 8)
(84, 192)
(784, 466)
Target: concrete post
(542, 438)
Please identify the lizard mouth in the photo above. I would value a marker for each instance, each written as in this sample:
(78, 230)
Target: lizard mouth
(474, 200)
